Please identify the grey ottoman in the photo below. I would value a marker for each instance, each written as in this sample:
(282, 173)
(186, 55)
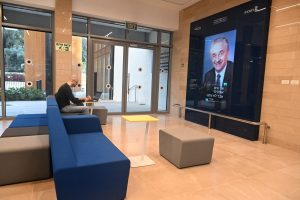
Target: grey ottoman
(101, 112)
(24, 158)
(185, 147)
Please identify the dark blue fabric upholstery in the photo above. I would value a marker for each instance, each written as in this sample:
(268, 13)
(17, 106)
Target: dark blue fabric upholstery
(86, 165)
(82, 124)
(61, 150)
(30, 116)
(28, 122)
(51, 101)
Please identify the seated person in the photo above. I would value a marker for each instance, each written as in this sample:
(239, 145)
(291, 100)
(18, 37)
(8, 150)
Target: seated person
(64, 95)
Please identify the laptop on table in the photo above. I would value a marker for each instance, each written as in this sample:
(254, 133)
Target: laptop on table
(97, 96)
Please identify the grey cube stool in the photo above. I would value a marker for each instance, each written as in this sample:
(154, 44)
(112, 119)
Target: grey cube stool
(185, 147)
(24, 158)
(101, 112)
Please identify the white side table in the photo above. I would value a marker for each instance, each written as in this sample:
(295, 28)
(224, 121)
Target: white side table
(142, 160)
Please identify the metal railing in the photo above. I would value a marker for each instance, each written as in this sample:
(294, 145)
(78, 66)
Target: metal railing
(14, 84)
(133, 87)
(266, 126)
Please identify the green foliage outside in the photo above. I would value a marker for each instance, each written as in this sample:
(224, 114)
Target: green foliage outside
(24, 94)
(13, 43)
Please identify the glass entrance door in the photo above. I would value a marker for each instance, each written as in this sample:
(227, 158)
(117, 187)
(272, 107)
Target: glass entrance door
(123, 76)
(139, 79)
(108, 75)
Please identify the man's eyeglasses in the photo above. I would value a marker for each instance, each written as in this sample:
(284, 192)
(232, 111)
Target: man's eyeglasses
(76, 82)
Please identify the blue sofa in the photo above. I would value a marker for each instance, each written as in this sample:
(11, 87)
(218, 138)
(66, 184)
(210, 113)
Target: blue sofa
(27, 124)
(86, 165)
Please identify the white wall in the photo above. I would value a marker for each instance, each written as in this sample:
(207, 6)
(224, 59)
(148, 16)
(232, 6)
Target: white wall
(152, 13)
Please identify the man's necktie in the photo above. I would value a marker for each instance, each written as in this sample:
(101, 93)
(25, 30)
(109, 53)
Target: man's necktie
(218, 81)
(218, 85)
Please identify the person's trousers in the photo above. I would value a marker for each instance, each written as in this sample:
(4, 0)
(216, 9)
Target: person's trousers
(75, 109)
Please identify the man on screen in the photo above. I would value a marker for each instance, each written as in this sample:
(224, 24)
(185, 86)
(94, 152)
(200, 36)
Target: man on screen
(217, 81)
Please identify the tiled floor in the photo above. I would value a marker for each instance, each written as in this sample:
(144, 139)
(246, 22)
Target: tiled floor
(240, 169)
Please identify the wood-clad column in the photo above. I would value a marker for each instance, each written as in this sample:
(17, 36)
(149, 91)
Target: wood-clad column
(62, 34)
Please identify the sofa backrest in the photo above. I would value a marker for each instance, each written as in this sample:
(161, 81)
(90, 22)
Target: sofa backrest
(62, 153)
(51, 101)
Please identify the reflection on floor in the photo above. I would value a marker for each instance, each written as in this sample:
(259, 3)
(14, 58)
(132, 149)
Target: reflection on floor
(116, 107)
(240, 169)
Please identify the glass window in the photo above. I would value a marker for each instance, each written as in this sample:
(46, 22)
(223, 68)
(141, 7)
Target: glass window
(109, 30)
(165, 38)
(79, 25)
(27, 17)
(142, 35)
(28, 67)
(163, 79)
(79, 62)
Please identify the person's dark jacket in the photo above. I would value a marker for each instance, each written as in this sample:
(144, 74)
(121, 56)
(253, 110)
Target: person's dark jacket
(210, 76)
(209, 83)
(64, 95)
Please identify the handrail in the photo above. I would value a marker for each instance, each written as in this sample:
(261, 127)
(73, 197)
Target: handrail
(133, 87)
(265, 124)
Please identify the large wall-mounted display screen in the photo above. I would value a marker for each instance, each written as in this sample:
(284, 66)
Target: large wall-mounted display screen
(227, 55)
(218, 65)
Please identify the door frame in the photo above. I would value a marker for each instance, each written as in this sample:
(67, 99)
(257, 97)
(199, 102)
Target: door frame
(126, 45)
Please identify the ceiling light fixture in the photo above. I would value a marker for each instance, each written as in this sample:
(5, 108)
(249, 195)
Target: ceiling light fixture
(108, 34)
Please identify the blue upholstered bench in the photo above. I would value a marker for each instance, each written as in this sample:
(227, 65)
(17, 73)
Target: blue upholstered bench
(86, 165)
(27, 124)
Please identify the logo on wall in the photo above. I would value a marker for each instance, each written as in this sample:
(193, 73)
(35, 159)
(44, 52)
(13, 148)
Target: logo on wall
(253, 10)
(62, 46)
(198, 28)
(220, 20)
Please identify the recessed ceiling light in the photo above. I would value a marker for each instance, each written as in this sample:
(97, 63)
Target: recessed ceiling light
(178, 2)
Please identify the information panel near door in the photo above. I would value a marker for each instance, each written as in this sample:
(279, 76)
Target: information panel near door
(139, 79)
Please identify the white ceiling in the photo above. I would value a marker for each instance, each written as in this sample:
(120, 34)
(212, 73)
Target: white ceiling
(177, 4)
(182, 3)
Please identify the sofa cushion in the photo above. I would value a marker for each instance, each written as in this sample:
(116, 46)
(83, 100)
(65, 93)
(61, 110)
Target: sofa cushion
(93, 148)
(31, 116)
(51, 101)
(62, 154)
(28, 122)
(82, 124)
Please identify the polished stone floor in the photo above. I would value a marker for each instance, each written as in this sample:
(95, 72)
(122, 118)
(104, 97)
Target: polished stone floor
(240, 169)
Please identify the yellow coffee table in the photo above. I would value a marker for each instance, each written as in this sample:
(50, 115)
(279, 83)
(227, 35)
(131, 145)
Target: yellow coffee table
(142, 160)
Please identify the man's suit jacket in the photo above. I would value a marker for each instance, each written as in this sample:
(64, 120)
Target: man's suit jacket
(209, 82)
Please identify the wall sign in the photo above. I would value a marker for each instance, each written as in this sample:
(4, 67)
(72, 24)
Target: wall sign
(131, 25)
(59, 46)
